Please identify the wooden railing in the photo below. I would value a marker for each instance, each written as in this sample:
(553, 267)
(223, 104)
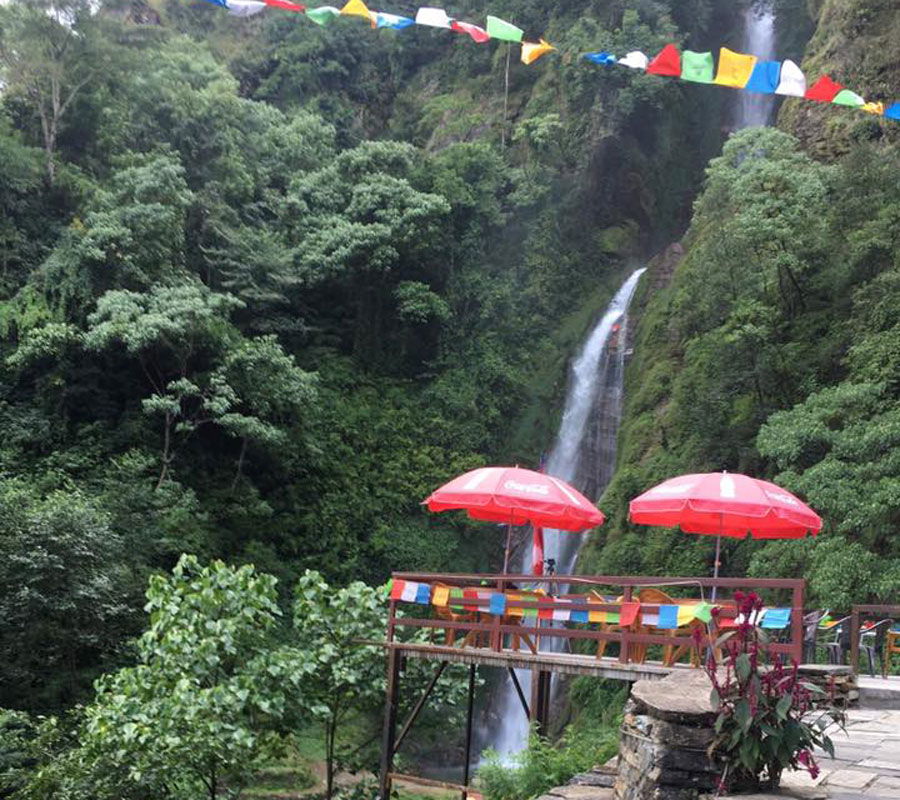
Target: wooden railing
(496, 627)
(885, 612)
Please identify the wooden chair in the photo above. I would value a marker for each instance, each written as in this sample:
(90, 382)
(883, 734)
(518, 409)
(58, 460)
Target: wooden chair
(448, 614)
(610, 627)
(671, 653)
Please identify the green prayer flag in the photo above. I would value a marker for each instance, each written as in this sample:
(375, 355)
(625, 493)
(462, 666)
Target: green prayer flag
(322, 15)
(612, 616)
(697, 67)
(703, 612)
(500, 29)
(848, 98)
(529, 612)
(456, 594)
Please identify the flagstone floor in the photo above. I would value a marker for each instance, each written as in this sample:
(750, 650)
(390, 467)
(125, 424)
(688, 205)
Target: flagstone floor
(866, 762)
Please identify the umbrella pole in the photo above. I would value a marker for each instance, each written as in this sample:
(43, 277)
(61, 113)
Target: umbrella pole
(718, 553)
(506, 553)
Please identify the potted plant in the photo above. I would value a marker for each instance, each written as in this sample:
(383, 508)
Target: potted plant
(768, 718)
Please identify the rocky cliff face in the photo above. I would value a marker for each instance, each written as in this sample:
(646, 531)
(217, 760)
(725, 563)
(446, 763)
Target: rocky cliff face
(856, 42)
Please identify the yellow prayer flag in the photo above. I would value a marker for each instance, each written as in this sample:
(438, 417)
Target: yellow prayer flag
(596, 616)
(531, 52)
(735, 69)
(686, 614)
(874, 108)
(356, 8)
(441, 596)
(513, 611)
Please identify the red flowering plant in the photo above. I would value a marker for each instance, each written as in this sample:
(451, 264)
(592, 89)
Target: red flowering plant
(768, 718)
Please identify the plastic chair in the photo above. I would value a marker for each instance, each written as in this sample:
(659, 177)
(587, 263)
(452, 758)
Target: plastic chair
(872, 640)
(840, 641)
(811, 623)
(891, 648)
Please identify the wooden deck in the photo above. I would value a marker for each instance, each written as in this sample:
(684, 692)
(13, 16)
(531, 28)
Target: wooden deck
(565, 663)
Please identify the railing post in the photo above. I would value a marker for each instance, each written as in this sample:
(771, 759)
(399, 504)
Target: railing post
(797, 622)
(389, 727)
(623, 644)
(854, 640)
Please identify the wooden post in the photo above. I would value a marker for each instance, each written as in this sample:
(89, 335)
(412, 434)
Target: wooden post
(389, 726)
(469, 710)
(623, 645)
(540, 700)
(797, 623)
(854, 640)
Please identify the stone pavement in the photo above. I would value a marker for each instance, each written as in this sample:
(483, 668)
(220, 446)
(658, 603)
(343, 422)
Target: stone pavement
(866, 761)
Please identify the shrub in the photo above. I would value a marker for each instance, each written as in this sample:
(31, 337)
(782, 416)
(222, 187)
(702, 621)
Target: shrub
(767, 718)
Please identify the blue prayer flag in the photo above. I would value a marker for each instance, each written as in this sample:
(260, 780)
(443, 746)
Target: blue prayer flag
(764, 78)
(578, 616)
(601, 58)
(776, 618)
(423, 594)
(398, 23)
(498, 604)
(668, 616)
(893, 112)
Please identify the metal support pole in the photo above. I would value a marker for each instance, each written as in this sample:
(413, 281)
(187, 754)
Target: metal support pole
(420, 704)
(390, 723)
(469, 710)
(515, 680)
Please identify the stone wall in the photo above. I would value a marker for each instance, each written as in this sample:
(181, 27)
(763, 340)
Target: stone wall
(667, 729)
(835, 679)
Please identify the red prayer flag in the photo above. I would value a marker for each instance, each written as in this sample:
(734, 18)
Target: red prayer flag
(537, 552)
(480, 35)
(668, 62)
(470, 594)
(628, 614)
(397, 589)
(286, 4)
(545, 613)
(824, 90)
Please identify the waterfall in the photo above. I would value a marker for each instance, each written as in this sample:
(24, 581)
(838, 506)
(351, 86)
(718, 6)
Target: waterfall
(759, 39)
(583, 454)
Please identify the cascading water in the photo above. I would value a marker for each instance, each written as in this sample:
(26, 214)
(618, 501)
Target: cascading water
(759, 39)
(583, 455)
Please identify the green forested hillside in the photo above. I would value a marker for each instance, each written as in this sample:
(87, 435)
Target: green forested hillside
(266, 284)
(772, 351)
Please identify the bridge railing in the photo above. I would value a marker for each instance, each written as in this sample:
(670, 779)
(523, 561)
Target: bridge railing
(531, 618)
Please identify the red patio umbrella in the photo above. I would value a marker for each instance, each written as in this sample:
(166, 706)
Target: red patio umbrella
(725, 504)
(517, 496)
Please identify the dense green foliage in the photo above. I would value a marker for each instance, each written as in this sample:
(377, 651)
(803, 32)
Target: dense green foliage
(264, 285)
(773, 353)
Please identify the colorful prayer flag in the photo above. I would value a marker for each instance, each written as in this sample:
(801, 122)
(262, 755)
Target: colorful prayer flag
(529, 612)
(397, 589)
(221, 3)
(792, 81)
(545, 613)
(668, 616)
(735, 69)
(776, 618)
(873, 108)
(765, 77)
(244, 8)
(432, 17)
(650, 620)
(601, 58)
(323, 14)
(667, 62)
(579, 616)
(561, 614)
(455, 596)
(531, 52)
(441, 595)
(423, 594)
(847, 98)
(470, 594)
(629, 613)
(893, 112)
(634, 60)
(479, 35)
(355, 8)
(498, 604)
(703, 612)
(697, 67)
(685, 615)
(513, 611)
(410, 589)
(501, 29)
(286, 4)
(823, 90)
